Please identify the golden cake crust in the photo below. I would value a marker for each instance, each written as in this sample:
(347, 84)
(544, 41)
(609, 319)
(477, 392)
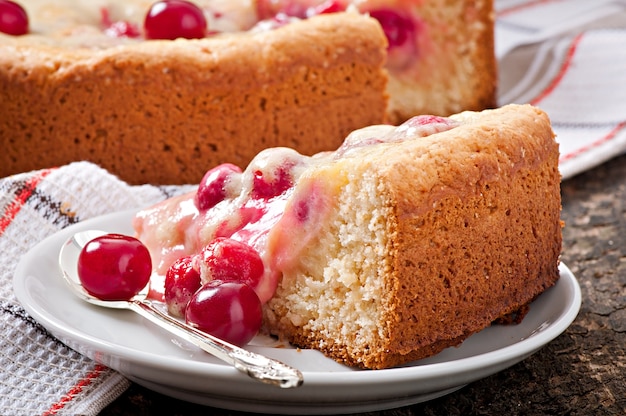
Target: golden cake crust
(161, 111)
(469, 223)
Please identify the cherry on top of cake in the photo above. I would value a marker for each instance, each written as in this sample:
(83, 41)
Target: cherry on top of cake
(13, 18)
(105, 23)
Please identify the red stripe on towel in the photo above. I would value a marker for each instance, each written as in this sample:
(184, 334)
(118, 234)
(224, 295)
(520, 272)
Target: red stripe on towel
(611, 135)
(523, 6)
(14, 207)
(77, 389)
(567, 64)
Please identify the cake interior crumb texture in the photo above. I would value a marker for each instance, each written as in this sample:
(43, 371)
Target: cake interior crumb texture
(431, 241)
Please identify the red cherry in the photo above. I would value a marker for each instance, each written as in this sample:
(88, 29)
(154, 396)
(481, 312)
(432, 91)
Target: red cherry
(398, 28)
(114, 267)
(212, 187)
(122, 29)
(268, 9)
(117, 29)
(13, 18)
(264, 187)
(231, 260)
(171, 19)
(182, 280)
(230, 311)
(425, 120)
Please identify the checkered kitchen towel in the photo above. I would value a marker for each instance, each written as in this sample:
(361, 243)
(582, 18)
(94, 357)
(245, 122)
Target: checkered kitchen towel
(566, 56)
(38, 374)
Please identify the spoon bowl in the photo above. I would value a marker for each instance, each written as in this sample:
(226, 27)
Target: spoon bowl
(68, 259)
(257, 366)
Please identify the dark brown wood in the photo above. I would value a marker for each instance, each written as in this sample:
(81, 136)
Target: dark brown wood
(582, 372)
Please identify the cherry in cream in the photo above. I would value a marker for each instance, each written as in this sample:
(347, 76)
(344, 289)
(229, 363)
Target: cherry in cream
(13, 18)
(181, 282)
(171, 19)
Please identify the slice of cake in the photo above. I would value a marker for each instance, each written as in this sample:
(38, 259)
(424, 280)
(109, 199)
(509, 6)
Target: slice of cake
(404, 241)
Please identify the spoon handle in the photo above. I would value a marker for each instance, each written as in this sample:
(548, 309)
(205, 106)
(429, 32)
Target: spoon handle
(257, 366)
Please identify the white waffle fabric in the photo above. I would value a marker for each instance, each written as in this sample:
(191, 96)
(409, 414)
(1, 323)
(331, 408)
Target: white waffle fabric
(38, 374)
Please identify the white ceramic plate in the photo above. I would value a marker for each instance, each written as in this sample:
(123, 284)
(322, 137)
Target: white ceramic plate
(149, 356)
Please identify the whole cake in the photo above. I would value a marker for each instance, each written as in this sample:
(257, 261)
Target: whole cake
(80, 81)
(404, 241)
(160, 111)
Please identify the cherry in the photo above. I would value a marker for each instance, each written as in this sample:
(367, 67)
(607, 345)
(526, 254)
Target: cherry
(425, 120)
(272, 172)
(171, 19)
(182, 280)
(230, 311)
(119, 28)
(398, 28)
(212, 187)
(231, 260)
(266, 186)
(268, 9)
(13, 18)
(114, 267)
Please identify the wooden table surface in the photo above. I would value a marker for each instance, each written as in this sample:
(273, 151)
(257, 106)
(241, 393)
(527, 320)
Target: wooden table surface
(582, 372)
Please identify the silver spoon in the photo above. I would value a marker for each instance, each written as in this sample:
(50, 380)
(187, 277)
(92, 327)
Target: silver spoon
(259, 367)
